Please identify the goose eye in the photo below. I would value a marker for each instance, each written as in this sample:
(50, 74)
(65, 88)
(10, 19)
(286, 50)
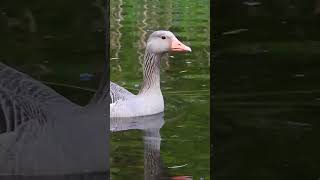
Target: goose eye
(163, 37)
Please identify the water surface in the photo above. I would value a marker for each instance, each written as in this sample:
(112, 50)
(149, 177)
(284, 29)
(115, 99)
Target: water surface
(184, 147)
(56, 43)
(266, 100)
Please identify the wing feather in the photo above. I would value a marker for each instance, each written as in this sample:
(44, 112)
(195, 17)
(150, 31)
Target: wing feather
(118, 93)
(25, 100)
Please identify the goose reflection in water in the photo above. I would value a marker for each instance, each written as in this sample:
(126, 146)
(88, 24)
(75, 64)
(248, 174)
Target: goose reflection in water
(154, 168)
(43, 133)
(151, 126)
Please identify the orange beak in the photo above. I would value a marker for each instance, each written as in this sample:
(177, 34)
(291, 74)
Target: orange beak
(177, 46)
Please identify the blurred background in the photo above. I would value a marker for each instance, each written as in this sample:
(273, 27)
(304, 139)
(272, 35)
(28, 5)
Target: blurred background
(266, 91)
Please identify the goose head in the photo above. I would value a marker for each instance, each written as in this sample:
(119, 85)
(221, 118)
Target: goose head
(161, 42)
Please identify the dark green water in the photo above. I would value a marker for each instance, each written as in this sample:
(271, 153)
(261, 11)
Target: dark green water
(54, 44)
(185, 140)
(266, 102)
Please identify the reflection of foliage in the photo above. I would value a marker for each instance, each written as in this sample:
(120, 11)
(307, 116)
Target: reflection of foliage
(184, 83)
(127, 156)
(189, 20)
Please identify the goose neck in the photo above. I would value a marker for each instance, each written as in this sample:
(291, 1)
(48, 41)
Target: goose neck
(151, 72)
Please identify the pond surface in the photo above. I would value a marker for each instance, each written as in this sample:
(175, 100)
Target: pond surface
(56, 43)
(60, 44)
(266, 102)
(184, 149)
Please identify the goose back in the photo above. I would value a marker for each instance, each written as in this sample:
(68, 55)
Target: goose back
(22, 98)
(118, 93)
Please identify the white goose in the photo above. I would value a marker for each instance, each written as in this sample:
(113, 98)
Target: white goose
(149, 100)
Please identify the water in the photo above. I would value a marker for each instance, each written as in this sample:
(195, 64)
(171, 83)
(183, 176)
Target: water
(56, 43)
(184, 147)
(266, 90)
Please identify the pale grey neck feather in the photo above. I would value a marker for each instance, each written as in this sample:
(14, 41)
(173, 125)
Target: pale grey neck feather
(151, 72)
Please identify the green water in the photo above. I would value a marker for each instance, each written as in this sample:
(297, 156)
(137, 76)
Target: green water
(55, 42)
(184, 81)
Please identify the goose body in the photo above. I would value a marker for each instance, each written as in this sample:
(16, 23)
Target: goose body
(40, 130)
(149, 100)
(138, 105)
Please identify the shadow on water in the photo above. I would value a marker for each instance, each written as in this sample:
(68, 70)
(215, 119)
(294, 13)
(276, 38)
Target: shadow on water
(45, 135)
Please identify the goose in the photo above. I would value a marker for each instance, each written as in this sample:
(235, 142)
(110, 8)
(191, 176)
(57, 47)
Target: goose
(44, 133)
(149, 100)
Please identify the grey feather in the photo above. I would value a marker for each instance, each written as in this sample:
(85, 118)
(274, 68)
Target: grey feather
(118, 93)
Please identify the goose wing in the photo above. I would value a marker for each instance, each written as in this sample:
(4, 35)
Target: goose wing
(23, 99)
(16, 111)
(18, 83)
(118, 93)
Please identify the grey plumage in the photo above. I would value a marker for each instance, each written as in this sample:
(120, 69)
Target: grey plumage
(149, 100)
(22, 99)
(42, 132)
(118, 93)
